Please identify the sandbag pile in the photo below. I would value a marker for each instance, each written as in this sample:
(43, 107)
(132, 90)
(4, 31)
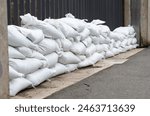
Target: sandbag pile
(40, 50)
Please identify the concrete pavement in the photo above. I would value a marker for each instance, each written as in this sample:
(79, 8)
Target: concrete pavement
(130, 80)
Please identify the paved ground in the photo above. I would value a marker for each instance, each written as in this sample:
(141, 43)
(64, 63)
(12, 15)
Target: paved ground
(129, 80)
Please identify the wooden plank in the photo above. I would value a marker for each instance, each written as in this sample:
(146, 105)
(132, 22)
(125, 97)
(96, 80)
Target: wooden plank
(3, 51)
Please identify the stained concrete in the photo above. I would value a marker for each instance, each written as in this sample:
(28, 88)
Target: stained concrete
(130, 80)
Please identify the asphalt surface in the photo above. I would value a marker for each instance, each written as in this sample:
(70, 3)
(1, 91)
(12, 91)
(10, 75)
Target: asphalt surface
(130, 80)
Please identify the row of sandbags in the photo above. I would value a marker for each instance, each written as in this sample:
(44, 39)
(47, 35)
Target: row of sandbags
(40, 50)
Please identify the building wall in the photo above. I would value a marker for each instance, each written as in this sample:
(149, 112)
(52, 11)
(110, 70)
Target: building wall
(109, 10)
(3, 51)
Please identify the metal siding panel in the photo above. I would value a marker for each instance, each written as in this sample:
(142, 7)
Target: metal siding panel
(109, 10)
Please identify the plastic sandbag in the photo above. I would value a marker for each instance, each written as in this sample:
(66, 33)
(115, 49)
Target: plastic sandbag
(100, 48)
(13, 74)
(91, 60)
(104, 30)
(68, 58)
(115, 51)
(35, 35)
(134, 41)
(96, 57)
(77, 24)
(29, 53)
(77, 39)
(26, 66)
(52, 59)
(13, 53)
(67, 30)
(125, 30)
(18, 84)
(66, 44)
(60, 69)
(48, 30)
(117, 36)
(109, 53)
(16, 39)
(87, 42)
(90, 50)
(27, 19)
(98, 22)
(71, 67)
(85, 63)
(124, 43)
(94, 29)
(48, 46)
(81, 57)
(78, 48)
(85, 33)
(40, 76)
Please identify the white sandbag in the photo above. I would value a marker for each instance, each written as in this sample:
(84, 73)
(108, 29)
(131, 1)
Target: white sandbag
(104, 30)
(16, 39)
(95, 40)
(68, 58)
(99, 40)
(100, 48)
(77, 24)
(13, 74)
(81, 57)
(35, 35)
(71, 67)
(84, 34)
(78, 48)
(117, 44)
(18, 84)
(26, 66)
(117, 36)
(69, 15)
(63, 27)
(125, 30)
(48, 30)
(106, 47)
(109, 53)
(59, 69)
(52, 59)
(77, 39)
(67, 30)
(129, 41)
(90, 50)
(40, 76)
(134, 41)
(96, 57)
(85, 63)
(94, 29)
(30, 53)
(98, 22)
(87, 42)
(124, 43)
(71, 39)
(27, 19)
(13, 53)
(66, 44)
(115, 51)
(91, 60)
(48, 46)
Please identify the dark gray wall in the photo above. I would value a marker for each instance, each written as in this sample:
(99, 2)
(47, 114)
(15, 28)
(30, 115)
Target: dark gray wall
(109, 10)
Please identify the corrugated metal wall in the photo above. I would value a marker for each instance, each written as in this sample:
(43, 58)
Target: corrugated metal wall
(109, 10)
